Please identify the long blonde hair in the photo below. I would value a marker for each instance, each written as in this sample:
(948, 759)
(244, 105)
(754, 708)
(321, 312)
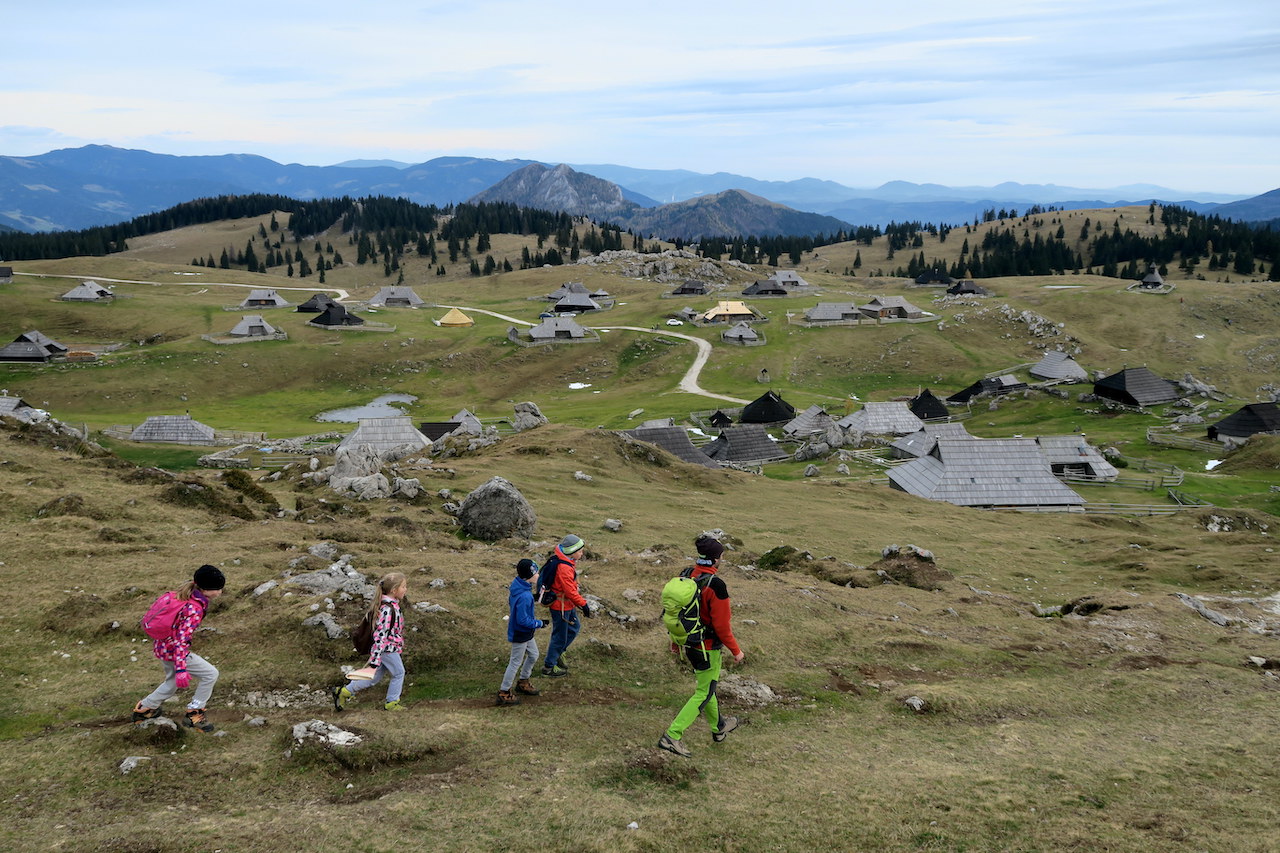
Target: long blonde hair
(386, 586)
(187, 590)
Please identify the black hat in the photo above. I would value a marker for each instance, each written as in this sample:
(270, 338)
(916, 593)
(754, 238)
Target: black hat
(526, 567)
(210, 578)
(709, 547)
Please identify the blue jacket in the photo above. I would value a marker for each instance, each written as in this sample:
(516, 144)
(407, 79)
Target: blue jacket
(522, 623)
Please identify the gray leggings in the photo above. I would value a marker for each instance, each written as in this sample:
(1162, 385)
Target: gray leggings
(200, 669)
(523, 657)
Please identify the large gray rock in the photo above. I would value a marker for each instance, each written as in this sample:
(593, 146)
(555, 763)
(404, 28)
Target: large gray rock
(332, 629)
(356, 460)
(497, 510)
(527, 416)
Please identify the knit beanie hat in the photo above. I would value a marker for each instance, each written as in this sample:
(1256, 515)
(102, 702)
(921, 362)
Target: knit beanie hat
(209, 578)
(525, 568)
(571, 545)
(709, 548)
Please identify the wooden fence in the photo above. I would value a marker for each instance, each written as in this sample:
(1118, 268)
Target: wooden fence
(1169, 439)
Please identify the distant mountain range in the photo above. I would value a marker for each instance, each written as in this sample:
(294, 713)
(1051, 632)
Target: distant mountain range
(77, 188)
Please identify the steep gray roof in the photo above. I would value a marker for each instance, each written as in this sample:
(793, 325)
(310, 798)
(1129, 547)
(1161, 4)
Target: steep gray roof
(675, 441)
(812, 420)
(576, 302)
(1067, 452)
(16, 407)
(388, 434)
(892, 418)
(1059, 365)
(172, 429)
(895, 302)
(87, 291)
(253, 326)
(991, 472)
(263, 299)
(767, 287)
(922, 443)
(833, 311)
(396, 296)
(569, 288)
(467, 422)
(42, 340)
(557, 327)
(740, 332)
(746, 444)
(1136, 385)
(788, 277)
(1246, 421)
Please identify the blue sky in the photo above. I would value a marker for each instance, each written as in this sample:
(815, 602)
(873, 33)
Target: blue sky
(1074, 92)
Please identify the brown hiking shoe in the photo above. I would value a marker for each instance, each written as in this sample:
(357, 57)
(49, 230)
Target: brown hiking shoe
(197, 719)
(526, 687)
(506, 697)
(142, 712)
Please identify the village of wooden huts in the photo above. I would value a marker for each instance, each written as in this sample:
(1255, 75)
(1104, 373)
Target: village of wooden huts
(887, 418)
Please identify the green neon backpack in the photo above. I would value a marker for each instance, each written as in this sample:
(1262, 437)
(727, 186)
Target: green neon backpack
(681, 609)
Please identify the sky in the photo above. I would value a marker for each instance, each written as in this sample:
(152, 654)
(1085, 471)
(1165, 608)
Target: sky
(1080, 93)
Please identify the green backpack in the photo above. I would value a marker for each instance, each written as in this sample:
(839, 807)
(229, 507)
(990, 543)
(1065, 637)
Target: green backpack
(681, 609)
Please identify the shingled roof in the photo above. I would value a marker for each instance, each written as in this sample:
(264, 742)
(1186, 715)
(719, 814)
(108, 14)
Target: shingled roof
(395, 435)
(1059, 365)
(1248, 420)
(1071, 454)
(988, 386)
(996, 472)
(336, 314)
(812, 420)
(253, 326)
(396, 297)
(675, 441)
(890, 418)
(88, 291)
(1136, 386)
(317, 303)
(923, 442)
(747, 444)
(172, 429)
(926, 406)
(263, 299)
(768, 408)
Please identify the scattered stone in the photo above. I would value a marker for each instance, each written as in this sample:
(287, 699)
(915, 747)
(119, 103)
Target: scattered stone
(745, 691)
(612, 524)
(428, 607)
(584, 477)
(264, 588)
(131, 763)
(437, 583)
(158, 723)
(324, 550)
(916, 704)
(812, 470)
(256, 722)
(332, 629)
(636, 595)
(324, 733)
(842, 469)
(497, 510)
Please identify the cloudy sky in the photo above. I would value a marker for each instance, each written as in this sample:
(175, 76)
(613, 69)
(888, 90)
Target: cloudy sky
(1087, 93)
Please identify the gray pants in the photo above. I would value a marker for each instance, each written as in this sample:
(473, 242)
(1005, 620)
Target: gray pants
(526, 652)
(200, 669)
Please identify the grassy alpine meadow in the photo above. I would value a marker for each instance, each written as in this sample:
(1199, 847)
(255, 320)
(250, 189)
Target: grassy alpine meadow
(1044, 689)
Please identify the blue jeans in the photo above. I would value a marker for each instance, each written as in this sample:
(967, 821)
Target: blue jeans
(564, 627)
(389, 665)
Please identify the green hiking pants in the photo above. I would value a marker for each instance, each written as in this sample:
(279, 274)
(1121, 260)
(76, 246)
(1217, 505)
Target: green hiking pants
(703, 699)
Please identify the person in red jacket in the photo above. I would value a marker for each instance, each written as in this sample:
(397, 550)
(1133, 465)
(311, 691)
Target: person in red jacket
(717, 632)
(564, 609)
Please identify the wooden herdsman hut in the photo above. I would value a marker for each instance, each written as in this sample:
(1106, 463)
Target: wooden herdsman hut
(263, 299)
(927, 407)
(253, 326)
(391, 437)
(334, 316)
(768, 408)
(88, 291)
(316, 304)
(1253, 419)
(675, 441)
(1136, 386)
(1060, 366)
(172, 429)
(396, 297)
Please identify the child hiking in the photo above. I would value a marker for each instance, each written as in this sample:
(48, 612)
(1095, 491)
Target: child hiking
(388, 643)
(171, 622)
(521, 624)
(700, 629)
(564, 605)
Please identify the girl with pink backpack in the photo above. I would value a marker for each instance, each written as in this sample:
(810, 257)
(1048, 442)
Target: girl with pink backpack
(171, 621)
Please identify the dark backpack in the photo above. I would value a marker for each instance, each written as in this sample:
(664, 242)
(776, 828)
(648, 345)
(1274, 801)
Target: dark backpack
(362, 634)
(546, 579)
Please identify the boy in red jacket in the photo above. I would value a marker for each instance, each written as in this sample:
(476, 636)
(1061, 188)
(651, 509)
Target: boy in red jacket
(564, 610)
(717, 631)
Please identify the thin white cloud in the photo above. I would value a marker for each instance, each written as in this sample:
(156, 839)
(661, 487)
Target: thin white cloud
(1077, 92)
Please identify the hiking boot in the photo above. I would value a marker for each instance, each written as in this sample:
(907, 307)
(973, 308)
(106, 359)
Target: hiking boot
(197, 719)
(727, 724)
(341, 696)
(563, 663)
(395, 706)
(142, 712)
(671, 745)
(506, 697)
(554, 671)
(526, 687)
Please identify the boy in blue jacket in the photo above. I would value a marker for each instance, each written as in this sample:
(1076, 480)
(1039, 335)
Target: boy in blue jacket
(520, 627)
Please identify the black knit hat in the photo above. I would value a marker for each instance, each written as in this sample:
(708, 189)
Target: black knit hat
(525, 568)
(210, 578)
(709, 547)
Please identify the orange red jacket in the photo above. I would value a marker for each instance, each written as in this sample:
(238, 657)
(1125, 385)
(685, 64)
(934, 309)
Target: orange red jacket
(714, 611)
(565, 585)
